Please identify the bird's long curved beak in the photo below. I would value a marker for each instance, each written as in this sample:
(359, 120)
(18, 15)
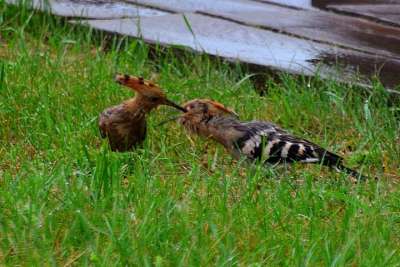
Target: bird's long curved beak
(172, 104)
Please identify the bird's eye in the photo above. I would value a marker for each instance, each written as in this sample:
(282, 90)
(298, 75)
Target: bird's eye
(154, 99)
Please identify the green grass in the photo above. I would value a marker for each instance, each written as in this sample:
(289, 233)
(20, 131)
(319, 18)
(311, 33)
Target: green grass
(66, 199)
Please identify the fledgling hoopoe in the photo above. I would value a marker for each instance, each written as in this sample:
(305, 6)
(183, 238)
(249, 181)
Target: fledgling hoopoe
(256, 140)
(125, 125)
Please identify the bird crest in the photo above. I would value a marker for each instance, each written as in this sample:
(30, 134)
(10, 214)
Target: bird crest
(139, 85)
(210, 107)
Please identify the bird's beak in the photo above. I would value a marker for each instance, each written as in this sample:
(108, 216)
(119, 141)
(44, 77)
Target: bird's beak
(172, 104)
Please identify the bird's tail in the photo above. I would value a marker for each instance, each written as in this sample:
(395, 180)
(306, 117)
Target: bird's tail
(354, 173)
(336, 162)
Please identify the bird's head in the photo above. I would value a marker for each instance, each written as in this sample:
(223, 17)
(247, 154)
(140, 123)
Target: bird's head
(200, 112)
(207, 108)
(149, 93)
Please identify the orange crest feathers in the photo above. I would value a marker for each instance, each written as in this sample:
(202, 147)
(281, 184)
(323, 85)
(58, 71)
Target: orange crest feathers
(222, 108)
(209, 106)
(138, 84)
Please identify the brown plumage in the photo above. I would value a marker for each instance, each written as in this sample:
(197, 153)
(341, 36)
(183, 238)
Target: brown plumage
(255, 140)
(125, 125)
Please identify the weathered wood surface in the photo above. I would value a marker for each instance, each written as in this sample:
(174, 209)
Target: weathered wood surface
(299, 4)
(309, 4)
(361, 65)
(93, 9)
(247, 44)
(221, 38)
(321, 26)
(384, 12)
(295, 36)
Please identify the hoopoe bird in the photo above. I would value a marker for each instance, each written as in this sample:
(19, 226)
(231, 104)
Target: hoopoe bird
(125, 125)
(255, 140)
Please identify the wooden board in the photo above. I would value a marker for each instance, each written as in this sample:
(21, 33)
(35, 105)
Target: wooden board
(309, 4)
(302, 4)
(221, 38)
(384, 13)
(321, 26)
(93, 9)
(277, 37)
(251, 45)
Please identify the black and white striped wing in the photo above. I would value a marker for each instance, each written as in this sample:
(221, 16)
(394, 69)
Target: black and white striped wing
(268, 142)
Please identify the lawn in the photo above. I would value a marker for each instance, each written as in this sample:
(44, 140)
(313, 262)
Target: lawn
(66, 199)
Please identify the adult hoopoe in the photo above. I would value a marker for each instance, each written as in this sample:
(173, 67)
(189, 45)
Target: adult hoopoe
(256, 140)
(125, 125)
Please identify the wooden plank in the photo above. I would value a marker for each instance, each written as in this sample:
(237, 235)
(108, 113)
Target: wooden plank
(384, 13)
(303, 4)
(92, 9)
(321, 26)
(251, 45)
(309, 4)
(385, 69)
(221, 38)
